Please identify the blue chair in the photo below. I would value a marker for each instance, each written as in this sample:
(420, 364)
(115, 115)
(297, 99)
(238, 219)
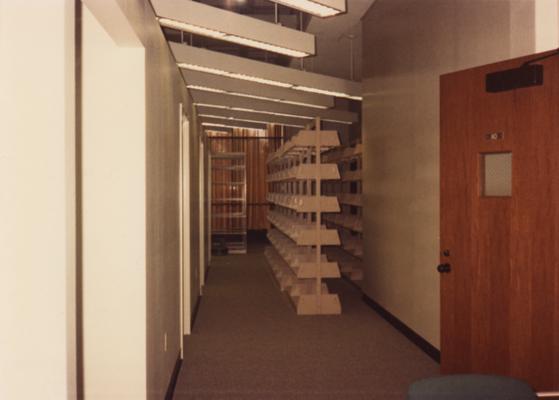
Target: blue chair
(471, 387)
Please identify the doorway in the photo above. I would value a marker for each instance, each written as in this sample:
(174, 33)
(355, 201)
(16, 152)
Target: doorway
(184, 217)
(201, 215)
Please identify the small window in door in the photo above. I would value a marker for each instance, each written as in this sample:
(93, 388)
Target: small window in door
(496, 174)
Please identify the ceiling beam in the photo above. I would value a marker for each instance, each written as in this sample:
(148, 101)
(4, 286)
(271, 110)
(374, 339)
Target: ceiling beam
(194, 58)
(268, 107)
(252, 89)
(226, 114)
(205, 20)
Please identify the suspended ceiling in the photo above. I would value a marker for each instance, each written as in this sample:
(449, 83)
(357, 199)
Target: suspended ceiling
(332, 58)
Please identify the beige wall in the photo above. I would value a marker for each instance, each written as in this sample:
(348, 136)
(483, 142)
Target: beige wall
(114, 214)
(407, 44)
(164, 90)
(37, 200)
(130, 215)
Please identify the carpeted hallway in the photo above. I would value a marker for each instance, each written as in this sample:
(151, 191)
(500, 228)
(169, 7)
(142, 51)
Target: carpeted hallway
(247, 343)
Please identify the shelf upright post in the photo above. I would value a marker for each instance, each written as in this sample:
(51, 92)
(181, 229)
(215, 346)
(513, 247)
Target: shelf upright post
(318, 218)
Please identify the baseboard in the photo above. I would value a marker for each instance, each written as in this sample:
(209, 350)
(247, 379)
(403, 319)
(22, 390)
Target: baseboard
(195, 313)
(174, 377)
(405, 330)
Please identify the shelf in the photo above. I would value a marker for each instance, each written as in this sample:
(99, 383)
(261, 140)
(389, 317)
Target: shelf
(236, 247)
(284, 276)
(351, 176)
(231, 168)
(228, 183)
(229, 215)
(223, 232)
(344, 154)
(303, 204)
(306, 172)
(304, 233)
(228, 200)
(351, 199)
(304, 141)
(296, 258)
(347, 221)
(352, 244)
(302, 292)
(350, 266)
(302, 261)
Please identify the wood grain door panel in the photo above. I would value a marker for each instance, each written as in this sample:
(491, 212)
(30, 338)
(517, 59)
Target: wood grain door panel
(500, 302)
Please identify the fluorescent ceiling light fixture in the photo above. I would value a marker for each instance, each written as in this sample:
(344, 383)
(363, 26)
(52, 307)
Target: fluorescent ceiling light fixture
(212, 105)
(247, 120)
(252, 96)
(212, 124)
(205, 20)
(271, 113)
(258, 91)
(326, 92)
(226, 101)
(226, 65)
(244, 77)
(256, 79)
(254, 111)
(277, 114)
(198, 30)
(320, 8)
(206, 89)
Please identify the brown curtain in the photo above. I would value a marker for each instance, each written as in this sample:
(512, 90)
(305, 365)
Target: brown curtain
(256, 144)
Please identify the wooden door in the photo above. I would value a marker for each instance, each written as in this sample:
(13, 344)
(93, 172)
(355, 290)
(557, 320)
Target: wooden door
(500, 300)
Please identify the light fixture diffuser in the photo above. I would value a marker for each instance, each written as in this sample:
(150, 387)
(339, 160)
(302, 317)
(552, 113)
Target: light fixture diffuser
(236, 87)
(320, 8)
(205, 20)
(227, 101)
(246, 120)
(226, 65)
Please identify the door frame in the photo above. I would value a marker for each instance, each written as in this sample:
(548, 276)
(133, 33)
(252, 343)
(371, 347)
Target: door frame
(184, 223)
(201, 214)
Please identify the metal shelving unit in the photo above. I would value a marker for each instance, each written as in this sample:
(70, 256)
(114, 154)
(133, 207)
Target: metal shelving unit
(229, 201)
(295, 177)
(350, 221)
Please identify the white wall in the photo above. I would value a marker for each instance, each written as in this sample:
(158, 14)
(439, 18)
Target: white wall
(114, 214)
(407, 45)
(164, 90)
(38, 201)
(37, 223)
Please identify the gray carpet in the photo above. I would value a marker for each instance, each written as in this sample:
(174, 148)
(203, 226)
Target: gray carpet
(247, 343)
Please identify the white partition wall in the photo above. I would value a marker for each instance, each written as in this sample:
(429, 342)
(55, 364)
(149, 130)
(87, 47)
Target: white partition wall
(114, 214)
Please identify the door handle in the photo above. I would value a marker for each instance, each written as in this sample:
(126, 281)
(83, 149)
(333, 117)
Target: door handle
(442, 268)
